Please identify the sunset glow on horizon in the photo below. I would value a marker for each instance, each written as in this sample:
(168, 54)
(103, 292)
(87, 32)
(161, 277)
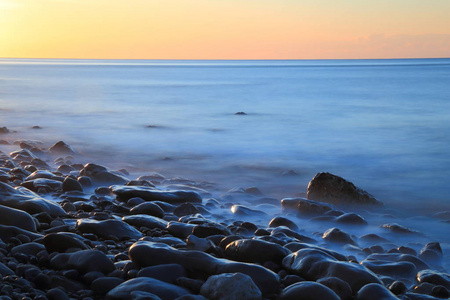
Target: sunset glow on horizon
(224, 29)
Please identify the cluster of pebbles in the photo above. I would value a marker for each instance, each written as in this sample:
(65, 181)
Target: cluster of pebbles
(82, 231)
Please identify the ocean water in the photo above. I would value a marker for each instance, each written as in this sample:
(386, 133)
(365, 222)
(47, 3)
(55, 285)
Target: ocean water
(382, 124)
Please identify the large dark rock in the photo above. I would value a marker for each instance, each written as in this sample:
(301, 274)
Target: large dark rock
(15, 217)
(230, 286)
(24, 199)
(7, 232)
(62, 241)
(125, 193)
(83, 261)
(308, 290)
(313, 264)
(396, 270)
(326, 187)
(101, 175)
(147, 208)
(255, 251)
(107, 228)
(145, 221)
(61, 148)
(200, 264)
(168, 273)
(374, 291)
(434, 277)
(161, 289)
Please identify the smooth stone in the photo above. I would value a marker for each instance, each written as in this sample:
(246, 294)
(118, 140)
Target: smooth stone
(434, 277)
(40, 174)
(229, 287)
(180, 230)
(168, 240)
(124, 193)
(101, 286)
(101, 175)
(329, 188)
(298, 246)
(70, 184)
(42, 184)
(396, 228)
(243, 210)
(84, 261)
(397, 287)
(140, 295)
(8, 232)
(249, 250)
(31, 248)
(147, 208)
(145, 221)
(414, 296)
(201, 264)
(161, 289)
(201, 244)
(335, 235)
(374, 291)
(351, 219)
(24, 199)
(396, 270)
(313, 264)
(399, 257)
(308, 290)
(16, 217)
(61, 148)
(107, 228)
(209, 229)
(431, 253)
(168, 273)
(62, 241)
(185, 209)
(291, 233)
(282, 221)
(340, 287)
(307, 207)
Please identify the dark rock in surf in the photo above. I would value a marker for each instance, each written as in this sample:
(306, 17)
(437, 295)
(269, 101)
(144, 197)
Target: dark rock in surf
(145, 221)
(374, 291)
(308, 290)
(250, 251)
(396, 270)
(69, 184)
(351, 219)
(335, 235)
(434, 277)
(101, 175)
(125, 193)
(240, 113)
(63, 241)
(147, 208)
(313, 264)
(282, 221)
(61, 148)
(340, 287)
(4, 130)
(107, 228)
(326, 187)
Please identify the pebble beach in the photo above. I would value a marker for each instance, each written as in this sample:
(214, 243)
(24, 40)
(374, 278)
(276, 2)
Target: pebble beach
(71, 228)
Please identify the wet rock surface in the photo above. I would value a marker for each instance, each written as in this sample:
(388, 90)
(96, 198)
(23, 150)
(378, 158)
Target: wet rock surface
(83, 231)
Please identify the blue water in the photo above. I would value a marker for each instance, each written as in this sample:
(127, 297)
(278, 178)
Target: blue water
(383, 124)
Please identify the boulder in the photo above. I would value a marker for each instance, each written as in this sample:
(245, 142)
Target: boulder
(15, 217)
(329, 188)
(230, 286)
(255, 251)
(101, 175)
(62, 241)
(107, 228)
(61, 148)
(83, 261)
(125, 193)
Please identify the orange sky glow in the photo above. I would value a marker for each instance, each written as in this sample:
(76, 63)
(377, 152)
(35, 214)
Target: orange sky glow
(224, 29)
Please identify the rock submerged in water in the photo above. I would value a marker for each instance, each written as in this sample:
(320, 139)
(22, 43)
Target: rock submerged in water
(326, 187)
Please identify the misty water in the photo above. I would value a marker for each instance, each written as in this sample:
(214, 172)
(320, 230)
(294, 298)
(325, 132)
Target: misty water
(382, 124)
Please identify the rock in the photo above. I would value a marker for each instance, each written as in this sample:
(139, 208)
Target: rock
(290, 233)
(4, 130)
(340, 287)
(243, 210)
(147, 208)
(326, 187)
(62, 241)
(101, 175)
(432, 253)
(399, 257)
(298, 246)
(351, 219)
(201, 264)
(434, 277)
(168, 273)
(397, 287)
(149, 194)
(70, 184)
(313, 264)
(396, 228)
(30, 249)
(145, 221)
(282, 221)
(108, 228)
(83, 261)
(5, 271)
(240, 113)
(15, 217)
(374, 291)
(310, 208)
(308, 290)
(185, 209)
(396, 270)
(335, 235)
(161, 289)
(8, 232)
(24, 199)
(250, 251)
(61, 148)
(230, 286)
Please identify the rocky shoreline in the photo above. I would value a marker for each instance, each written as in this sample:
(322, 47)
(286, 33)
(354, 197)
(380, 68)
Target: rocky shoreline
(72, 230)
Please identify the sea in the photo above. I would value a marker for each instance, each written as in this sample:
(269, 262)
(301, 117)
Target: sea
(272, 124)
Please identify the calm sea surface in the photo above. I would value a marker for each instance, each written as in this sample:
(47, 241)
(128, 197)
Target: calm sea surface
(383, 124)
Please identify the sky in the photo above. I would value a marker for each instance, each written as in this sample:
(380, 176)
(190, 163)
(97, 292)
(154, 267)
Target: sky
(224, 29)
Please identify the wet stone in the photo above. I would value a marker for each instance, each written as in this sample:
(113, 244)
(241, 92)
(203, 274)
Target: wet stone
(308, 290)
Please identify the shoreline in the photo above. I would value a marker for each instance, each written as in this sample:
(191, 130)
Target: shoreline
(202, 230)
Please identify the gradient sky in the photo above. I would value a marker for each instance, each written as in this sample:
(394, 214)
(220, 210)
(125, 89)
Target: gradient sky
(224, 29)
